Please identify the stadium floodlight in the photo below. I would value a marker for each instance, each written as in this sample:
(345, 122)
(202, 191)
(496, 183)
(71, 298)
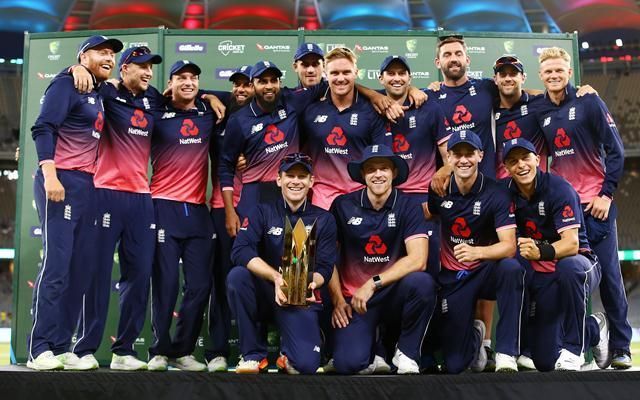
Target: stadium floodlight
(619, 42)
(585, 45)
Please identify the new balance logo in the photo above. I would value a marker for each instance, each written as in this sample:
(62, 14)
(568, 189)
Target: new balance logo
(168, 115)
(321, 119)
(257, 128)
(275, 231)
(547, 121)
(354, 221)
(447, 204)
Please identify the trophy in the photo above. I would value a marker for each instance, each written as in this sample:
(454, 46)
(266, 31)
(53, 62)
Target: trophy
(298, 261)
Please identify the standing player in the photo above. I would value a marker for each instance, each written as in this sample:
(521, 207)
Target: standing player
(219, 314)
(586, 150)
(125, 209)
(478, 241)
(180, 161)
(562, 269)
(383, 243)
(66, 135)
(308, 63)
(255, 287)
(337, 128)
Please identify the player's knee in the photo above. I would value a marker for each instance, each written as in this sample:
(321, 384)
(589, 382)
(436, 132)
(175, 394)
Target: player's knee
(456, 363)
(349, 363)
(419, 283)
(306, 365)
(510, 266)
(237, 278)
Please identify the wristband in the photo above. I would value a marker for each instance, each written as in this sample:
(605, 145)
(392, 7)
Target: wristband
(547, 252)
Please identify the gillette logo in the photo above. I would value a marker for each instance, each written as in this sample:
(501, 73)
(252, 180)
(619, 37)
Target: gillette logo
(191, 47)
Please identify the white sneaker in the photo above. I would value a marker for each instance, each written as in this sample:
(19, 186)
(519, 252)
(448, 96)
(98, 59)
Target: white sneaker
(601, 351)
(45, 361)
(251, 366)
(506, 363)
(525, 363)
(405, 364)
(480, 360)
(158, 363)
(72, 362)
(218, 364)
(188, 363)
(329, 367)
(380, 366)
(127, 363)
(567, 361)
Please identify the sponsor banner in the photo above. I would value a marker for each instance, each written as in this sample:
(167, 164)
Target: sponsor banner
(184, 47)
(227, 47)
(274, 48)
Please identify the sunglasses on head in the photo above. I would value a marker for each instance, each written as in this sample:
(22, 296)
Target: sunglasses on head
(296, 157)
(450, 37)
(139, 51)
(507, 60)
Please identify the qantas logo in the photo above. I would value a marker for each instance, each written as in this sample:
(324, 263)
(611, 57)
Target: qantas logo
(138, 119)
(336, 137)
(400, 143)
(189, 128)
(562, 139)
(375, 246)
(531, 230)
(273, 135)
(461, 115)
(461, 228)
(512, 131)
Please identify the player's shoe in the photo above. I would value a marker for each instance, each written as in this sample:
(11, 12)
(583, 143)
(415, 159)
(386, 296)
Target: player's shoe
(380, 366)
(251, 366)
(506, 363)
(621, 359)
(72, 362)
(127, 363)
(285, 366)
(525, 363)
(218, 364)
(491, 360)
(567, 361)
(329, 367)
(405, 364)
(480, 360)
(45, 361)
(188, 363)
(158, 363)
(601, 351)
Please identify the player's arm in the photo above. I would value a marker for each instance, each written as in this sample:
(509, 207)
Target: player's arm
(301, 98)
(83, 79)
(504, 248)
(232, 144)
(342, 311)
(567, 246)
(325, 250)
(382, 103)
(216, 100)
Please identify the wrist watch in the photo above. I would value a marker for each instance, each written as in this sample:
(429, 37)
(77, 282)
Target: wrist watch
(377, 282)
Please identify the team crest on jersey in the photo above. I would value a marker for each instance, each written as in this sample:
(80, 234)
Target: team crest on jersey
(282, 114)
(524, 110)
(572, 113)
(546, 122)
(476, 207)
(106, 220)
(320, 119)
(161, 236)
(472, 91)
(67, 212)
(541, 211)
(353, 121)
(412, 122)
(257, 128)
(391, 220)
(145, 103)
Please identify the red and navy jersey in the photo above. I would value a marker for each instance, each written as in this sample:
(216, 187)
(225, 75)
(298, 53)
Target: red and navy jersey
(470, 107)
(520, 121)
(333, 138)
(263, 137)
(180, 146)
(123, 153)
(371, 240)
(584, 142)
(415, 139)
(262, 235)
(474, 218)
(553, 208)
(69, 126)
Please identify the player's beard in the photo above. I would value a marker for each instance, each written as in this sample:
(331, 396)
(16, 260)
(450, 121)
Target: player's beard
(454, 76)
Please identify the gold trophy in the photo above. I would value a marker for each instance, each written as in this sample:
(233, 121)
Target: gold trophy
(298, 261)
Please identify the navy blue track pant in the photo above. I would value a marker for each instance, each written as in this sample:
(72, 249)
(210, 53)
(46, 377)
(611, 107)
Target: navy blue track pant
(502, 281)
(185, 233)
(68, 239)
(127, 220)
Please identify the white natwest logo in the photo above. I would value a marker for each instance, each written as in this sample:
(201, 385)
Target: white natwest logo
(354, 221)
(275, 231)
(447, 204)
(321, 118)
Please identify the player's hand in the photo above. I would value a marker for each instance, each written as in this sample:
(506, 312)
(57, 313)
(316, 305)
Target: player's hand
(278, 284)
(380, 102)
(241, 163)
(434, 86)
(440, 180)
(599, 207)
(342, 313)
(528, 249)
(115, 82)
(395, 112)
(416, 97)
(168, 92)
(232, 223)
(54, 189)
(312, 287)
(466, 253)
(216, 105)
(586, 89)
(362, 296)
(82, 79)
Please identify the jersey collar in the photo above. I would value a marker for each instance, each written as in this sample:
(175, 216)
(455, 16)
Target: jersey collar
(389, 204)
(300, 209)
(475, 189)
(569, 94)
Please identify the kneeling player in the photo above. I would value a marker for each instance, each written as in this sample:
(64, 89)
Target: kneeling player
(254, 288)
(383, 252)
(562, 270)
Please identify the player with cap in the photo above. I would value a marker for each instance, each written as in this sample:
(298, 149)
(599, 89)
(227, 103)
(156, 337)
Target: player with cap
(383, 243)
(66, 135)
(478, 243)
(586, 149)
(125, 214)
(180, 147)
(217, 350)
(255, 286)
(308, 63)
(561, 268)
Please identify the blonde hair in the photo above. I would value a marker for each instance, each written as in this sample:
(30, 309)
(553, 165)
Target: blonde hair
(338, 53)
(554, 52)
